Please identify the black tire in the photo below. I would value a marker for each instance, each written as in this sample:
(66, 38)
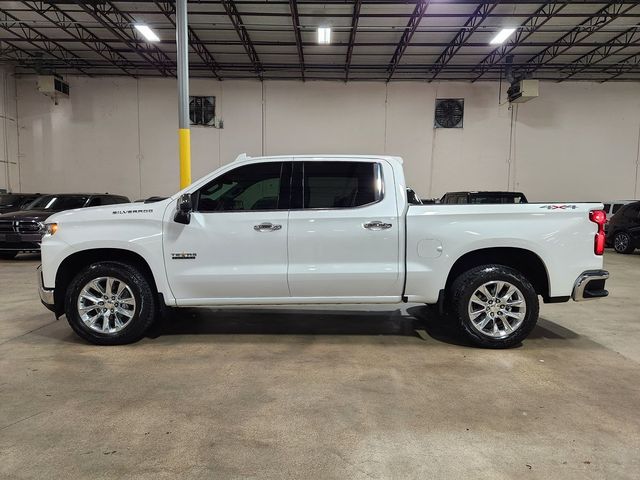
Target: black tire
(622, 243)
(143, 293)
(467, 283)
(8, 255)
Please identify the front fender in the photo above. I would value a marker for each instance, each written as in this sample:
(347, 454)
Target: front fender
(76, 237)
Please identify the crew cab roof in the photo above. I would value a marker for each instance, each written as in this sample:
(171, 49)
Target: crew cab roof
(333, 156)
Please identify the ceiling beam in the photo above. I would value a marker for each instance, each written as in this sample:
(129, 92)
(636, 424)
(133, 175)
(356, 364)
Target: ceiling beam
(236, 20)
(11, 52)
(409, 30)
(168, 8)
(471, 25)
(333, 67)
(24, 32)
(531, 25)
(297, 32)
(352, 37)
(583, 30)
(121, 24)
(597, 55)
(622, 67)
(71, 45)
(372, 2)
(62, 20)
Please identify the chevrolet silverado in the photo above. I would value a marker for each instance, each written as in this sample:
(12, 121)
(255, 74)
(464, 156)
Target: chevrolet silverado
(325, 229)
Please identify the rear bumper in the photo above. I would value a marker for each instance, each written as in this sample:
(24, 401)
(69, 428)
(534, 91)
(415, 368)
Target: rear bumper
(590, 285)
(46, 294)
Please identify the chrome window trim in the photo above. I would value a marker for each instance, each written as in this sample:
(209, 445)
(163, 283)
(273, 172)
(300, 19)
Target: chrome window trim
(378, 175)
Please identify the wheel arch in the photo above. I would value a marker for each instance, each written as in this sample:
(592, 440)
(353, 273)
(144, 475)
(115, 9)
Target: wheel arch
(78, 260)
(525, 261)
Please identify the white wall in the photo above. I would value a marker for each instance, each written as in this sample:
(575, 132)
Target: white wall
(9, 177)
(578, 141)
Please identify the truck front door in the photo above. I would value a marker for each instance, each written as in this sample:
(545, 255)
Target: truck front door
(235, 246)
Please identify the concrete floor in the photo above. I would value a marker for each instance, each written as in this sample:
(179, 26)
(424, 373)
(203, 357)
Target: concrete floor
(331, 394)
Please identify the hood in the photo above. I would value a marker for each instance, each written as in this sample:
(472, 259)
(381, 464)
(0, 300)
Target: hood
(123, 211)
(9, 208)
(28, 215)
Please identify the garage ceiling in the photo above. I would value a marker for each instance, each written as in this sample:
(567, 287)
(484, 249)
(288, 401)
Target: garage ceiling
(371, 39)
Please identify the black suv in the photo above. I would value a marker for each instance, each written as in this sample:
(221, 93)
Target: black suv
(483, 197)
(22, 231)
(623, 232)
(10, 202)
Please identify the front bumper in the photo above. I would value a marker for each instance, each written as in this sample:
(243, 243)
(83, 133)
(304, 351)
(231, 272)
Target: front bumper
(20, 242)
(590, 285)
(46, 294)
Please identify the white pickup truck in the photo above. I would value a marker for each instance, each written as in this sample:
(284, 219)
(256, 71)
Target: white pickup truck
(324, 229)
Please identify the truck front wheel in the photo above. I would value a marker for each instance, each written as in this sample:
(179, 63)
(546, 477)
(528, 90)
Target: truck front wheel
(495, 306)
(110, 303)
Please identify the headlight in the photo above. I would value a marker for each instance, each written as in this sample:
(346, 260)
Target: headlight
(48, 228)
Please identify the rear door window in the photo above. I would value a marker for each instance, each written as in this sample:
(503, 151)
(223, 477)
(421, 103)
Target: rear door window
(341, 184)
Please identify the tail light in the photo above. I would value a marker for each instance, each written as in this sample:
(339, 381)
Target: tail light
(599, 217)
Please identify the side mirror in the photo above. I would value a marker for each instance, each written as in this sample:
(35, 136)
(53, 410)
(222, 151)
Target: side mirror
(184, 209)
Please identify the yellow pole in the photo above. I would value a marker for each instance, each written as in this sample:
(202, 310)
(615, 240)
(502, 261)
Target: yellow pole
(184, 138)
(182, 70)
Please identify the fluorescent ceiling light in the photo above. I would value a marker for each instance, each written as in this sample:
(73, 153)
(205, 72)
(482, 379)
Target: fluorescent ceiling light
(502, 36)
(324, 35)
(149, 34)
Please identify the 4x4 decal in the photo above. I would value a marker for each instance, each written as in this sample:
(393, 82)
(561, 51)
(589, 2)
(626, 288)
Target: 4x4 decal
(559, 207)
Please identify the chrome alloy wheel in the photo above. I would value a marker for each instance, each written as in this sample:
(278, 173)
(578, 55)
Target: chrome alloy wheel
(621, 242)
(106, 305)
(497, 309)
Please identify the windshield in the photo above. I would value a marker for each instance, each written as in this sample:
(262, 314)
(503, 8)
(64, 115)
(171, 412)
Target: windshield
(57, 203)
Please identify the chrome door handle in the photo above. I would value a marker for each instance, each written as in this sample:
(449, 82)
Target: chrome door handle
(266, 227)
(377, 225)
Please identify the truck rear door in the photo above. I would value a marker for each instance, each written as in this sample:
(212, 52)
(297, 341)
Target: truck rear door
(343, 230)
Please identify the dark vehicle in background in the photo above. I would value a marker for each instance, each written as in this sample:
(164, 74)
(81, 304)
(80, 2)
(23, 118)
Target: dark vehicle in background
(11, 202)
(22, 230)
(483, 197)
(623, 232)
(611, 208)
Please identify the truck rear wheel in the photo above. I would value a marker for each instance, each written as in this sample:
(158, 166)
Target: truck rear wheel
(110, 303)
(494, 305)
